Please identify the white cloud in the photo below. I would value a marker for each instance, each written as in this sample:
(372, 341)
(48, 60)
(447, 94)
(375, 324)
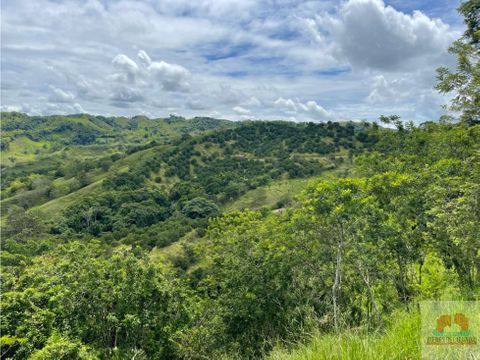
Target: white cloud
(309, 110)
(58, 95)
(252, 102)
(382, 91)
(196, 104)
(126, 65)
(144, 58)
(173, 77)
(11, 108)
(78, 108)
(287, 104)
(370, 34)
(241, 111)
(229, 94)
(316, 111)
(126, 95)
(310, 29)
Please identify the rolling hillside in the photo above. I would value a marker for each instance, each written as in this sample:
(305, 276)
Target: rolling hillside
(52, 163)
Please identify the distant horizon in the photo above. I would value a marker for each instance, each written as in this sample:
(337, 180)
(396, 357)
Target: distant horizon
(192, 117)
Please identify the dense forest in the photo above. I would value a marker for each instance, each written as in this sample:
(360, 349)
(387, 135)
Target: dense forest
(174, 238)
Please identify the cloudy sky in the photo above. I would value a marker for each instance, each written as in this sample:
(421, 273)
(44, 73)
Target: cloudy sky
(256, 59)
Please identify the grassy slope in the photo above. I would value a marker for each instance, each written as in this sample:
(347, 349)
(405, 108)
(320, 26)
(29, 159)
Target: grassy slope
(264, 196)
(270, 194)
(21, 149)
(401, 341)
(55, 206)
(165, 254)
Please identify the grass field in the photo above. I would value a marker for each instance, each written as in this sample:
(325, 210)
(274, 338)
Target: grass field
(22, 149)
(283, 191)
(54, 207)
(268, 195)
(401, 341)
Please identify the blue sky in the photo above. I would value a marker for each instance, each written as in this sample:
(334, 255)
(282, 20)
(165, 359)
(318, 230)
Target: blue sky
(249, 59)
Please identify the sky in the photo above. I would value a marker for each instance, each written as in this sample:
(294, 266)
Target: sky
(233, 59)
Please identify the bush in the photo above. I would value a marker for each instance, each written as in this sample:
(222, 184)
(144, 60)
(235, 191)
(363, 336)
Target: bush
(200, 208)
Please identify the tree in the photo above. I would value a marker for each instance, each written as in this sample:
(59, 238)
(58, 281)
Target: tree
(21, 223)
(82, 296)
(255, 286)
(200, 208)
(346, 219)
(59, 347)
(453, 226)
(465, 81)
(391, 119)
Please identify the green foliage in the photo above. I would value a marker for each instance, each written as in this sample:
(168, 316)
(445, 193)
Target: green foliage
(117, 210)
(58, 348)
(110, 300)
(353, 252)
(200, 208)
(22, 224)
(126, 180)
(464, 82)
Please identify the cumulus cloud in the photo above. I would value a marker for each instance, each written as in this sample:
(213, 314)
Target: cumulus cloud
(86, 89)
(287, 104)
(78, 108)
(126, 95)
(171, 76)
(144, 58)
(241, 110)
(58, 95)
(315, 111)
(310, 109)
(196, 104)
(127, 66)
(382, 91)
(11, 108)
(252, 102)
(310, 29)
(370, 34)
(229, 95)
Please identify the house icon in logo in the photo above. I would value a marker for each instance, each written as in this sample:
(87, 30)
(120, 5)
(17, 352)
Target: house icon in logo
(446, 320)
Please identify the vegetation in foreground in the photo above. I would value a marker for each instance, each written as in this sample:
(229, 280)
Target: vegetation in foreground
(400, 340)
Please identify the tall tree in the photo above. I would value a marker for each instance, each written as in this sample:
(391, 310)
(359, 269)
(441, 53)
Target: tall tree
(465, 81)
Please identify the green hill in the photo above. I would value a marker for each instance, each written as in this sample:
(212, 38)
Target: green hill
(209, 158)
